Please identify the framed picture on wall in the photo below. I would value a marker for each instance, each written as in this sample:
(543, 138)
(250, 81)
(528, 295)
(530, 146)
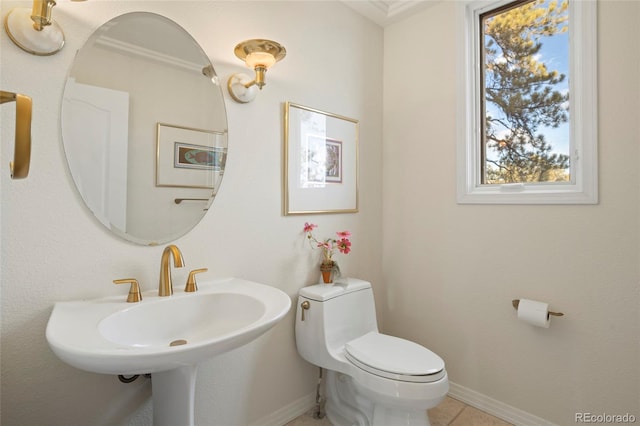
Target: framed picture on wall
(187, 157)
(320, 162)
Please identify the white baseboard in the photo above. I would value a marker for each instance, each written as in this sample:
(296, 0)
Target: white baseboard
(289, 412)
(496, 408)
(470, 397)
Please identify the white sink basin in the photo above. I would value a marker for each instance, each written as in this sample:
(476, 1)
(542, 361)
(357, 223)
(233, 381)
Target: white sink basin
(114, 337)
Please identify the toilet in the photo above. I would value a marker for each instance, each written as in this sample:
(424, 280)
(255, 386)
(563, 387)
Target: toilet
(372, 379)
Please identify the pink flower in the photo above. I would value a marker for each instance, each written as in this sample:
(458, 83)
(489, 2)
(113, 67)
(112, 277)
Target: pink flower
(324, 245)
(344, 245)
(343, 234)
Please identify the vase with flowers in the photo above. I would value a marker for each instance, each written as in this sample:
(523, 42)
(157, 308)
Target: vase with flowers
(329, 267)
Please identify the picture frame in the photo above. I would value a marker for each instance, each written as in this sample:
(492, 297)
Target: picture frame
(189, 158)
(320, 171)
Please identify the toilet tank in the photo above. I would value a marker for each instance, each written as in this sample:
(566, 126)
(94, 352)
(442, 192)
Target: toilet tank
(337, 314)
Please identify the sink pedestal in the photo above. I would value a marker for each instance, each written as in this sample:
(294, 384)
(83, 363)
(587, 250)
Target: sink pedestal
(173, 394)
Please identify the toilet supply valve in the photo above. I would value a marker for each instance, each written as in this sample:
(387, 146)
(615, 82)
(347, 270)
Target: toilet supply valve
(191, 281)
(304, 305)
(134, 291)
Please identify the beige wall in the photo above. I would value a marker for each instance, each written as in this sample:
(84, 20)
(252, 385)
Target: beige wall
(54, 250)
(442, 286)
(452, 270)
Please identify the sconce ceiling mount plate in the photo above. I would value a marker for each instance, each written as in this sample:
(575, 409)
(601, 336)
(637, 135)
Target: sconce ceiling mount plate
(20, 30)
(242, 50)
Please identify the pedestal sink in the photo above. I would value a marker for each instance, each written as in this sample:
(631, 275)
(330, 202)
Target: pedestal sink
(166, 336)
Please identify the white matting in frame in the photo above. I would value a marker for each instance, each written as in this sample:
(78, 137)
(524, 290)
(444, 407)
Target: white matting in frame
(320, 161)
(189, 158)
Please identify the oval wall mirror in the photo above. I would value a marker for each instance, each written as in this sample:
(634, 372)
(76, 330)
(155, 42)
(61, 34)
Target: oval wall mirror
(144, 128)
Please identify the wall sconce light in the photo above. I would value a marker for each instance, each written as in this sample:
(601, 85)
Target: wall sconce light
(210, 73)
(33, 30)
(257, 54)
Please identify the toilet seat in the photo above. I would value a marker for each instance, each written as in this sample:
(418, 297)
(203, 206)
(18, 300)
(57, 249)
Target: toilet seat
(394, 358)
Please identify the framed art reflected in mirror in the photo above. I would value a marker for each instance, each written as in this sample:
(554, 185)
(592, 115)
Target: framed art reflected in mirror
(189, 158)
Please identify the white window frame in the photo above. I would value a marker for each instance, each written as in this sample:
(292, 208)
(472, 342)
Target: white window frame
(583, 187)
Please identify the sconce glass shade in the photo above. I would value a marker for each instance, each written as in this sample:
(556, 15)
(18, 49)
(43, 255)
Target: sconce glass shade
(19, 26)
(259, 59)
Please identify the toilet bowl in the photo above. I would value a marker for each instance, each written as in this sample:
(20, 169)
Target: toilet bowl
(373, 379)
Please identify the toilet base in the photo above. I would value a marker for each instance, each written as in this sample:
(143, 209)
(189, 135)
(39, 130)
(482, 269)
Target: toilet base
(346, 406)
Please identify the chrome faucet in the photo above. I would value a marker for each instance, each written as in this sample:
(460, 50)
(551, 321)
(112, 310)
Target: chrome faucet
(166, 287)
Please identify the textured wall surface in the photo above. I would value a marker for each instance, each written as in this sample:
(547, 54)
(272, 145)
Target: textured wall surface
(452, 270)
(54, 250)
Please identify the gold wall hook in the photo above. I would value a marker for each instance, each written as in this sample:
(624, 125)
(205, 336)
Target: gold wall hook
(19, 167)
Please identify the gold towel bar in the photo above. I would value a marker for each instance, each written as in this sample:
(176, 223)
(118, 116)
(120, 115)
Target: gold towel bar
(179, 200)
(516, 302)
(19, 167)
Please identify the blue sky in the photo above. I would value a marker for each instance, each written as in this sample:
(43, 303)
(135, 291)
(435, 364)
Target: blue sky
(555, 54)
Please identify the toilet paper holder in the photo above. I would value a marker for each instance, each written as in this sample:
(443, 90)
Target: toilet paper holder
(516, 303)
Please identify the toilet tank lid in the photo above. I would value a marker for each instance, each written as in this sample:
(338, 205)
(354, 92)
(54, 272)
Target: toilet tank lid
(342, 286)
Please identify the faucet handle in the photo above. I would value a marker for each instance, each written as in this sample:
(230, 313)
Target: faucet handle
(134, 290)
(191, 281)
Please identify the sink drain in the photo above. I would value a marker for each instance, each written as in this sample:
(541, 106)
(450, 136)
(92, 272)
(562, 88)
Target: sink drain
(178, 342)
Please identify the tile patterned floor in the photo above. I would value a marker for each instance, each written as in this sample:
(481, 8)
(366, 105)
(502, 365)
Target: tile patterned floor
(450, 412)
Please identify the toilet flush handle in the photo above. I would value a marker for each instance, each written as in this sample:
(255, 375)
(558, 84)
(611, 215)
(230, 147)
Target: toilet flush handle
(304, 305)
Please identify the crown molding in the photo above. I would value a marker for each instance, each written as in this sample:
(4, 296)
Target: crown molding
(386, 12)
(149, 54)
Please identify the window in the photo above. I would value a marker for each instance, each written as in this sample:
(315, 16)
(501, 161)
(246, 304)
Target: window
(527, 102)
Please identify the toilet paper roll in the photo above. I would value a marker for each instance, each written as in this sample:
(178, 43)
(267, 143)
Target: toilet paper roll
(534, 313)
